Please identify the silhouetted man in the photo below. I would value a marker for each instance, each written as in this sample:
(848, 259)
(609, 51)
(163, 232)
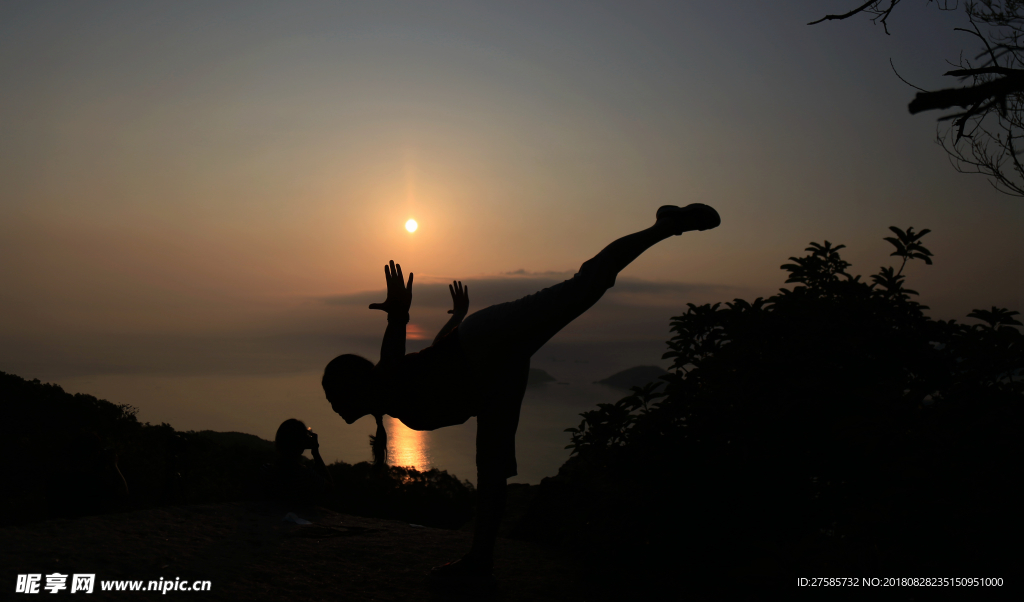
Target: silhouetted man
(478, 366)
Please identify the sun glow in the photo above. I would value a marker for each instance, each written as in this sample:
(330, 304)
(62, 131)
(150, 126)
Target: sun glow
(407, 447)
(411, 225)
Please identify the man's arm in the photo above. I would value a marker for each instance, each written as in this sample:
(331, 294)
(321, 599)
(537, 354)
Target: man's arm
(452, 323)
(460, 298)
(392, 348)
(397, 306)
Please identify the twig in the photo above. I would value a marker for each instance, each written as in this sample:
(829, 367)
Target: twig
(884, 14)
(847, 15)
(903, 80)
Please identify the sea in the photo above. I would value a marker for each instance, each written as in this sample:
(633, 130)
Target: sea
(258, 403)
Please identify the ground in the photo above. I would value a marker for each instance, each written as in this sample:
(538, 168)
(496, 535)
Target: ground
(248, 552)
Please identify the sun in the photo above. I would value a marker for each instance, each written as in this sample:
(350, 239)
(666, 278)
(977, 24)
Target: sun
(411, 225)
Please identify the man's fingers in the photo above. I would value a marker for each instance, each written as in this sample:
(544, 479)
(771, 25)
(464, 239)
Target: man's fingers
(410, 282)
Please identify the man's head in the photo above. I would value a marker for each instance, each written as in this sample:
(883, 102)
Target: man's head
(292, 437)
(346, 383)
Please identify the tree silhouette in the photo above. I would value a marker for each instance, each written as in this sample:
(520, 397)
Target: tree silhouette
(984, 136)
(833, 425)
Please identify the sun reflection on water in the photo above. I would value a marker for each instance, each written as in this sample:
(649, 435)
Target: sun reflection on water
(407, 447)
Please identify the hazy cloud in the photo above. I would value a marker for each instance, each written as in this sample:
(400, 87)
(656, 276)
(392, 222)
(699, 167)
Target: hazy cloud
(509, 286)
(305, 336)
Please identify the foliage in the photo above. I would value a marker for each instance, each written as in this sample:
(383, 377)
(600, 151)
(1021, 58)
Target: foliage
(433, 498)
(863, 344)
(834, 413)
(59, 450)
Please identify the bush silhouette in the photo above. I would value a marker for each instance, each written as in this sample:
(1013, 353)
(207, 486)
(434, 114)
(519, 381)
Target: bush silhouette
(831, 427)
(48, 431)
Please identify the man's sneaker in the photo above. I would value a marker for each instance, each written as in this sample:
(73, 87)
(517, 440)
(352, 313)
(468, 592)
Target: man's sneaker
(697, 216)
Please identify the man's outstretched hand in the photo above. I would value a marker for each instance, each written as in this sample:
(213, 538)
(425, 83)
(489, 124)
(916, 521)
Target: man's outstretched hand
(399, 295)
(460, 296)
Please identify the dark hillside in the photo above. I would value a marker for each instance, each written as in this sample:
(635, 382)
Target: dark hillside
(74, 455)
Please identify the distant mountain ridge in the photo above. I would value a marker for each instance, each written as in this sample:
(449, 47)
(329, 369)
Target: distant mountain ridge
(228, 438)
(539, 377)
(636, 376)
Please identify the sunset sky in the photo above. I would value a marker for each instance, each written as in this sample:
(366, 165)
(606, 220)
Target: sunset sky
(193, 190)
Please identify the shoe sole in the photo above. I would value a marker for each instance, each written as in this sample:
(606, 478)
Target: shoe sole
(702, 214)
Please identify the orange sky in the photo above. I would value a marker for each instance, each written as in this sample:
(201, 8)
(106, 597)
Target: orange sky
(197, 189)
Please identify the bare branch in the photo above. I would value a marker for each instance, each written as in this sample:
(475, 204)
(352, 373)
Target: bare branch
(901, 77)
(979, 159)
(977, 32)
(868, 7)
(982, 133)
(1013, 155)
(859, 9)
(964, 97)
(982, 70)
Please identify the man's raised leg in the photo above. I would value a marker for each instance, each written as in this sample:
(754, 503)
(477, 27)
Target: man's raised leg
(671, 221)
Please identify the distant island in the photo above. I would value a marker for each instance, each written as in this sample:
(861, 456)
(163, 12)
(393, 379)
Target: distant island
(637, 376)
(539, 377)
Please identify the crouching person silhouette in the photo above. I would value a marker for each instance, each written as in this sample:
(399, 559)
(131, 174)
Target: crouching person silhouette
(478, 366)
(289, 480)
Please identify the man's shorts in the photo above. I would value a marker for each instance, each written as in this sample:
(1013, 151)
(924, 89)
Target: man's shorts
(518, 329)
(498, 342)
